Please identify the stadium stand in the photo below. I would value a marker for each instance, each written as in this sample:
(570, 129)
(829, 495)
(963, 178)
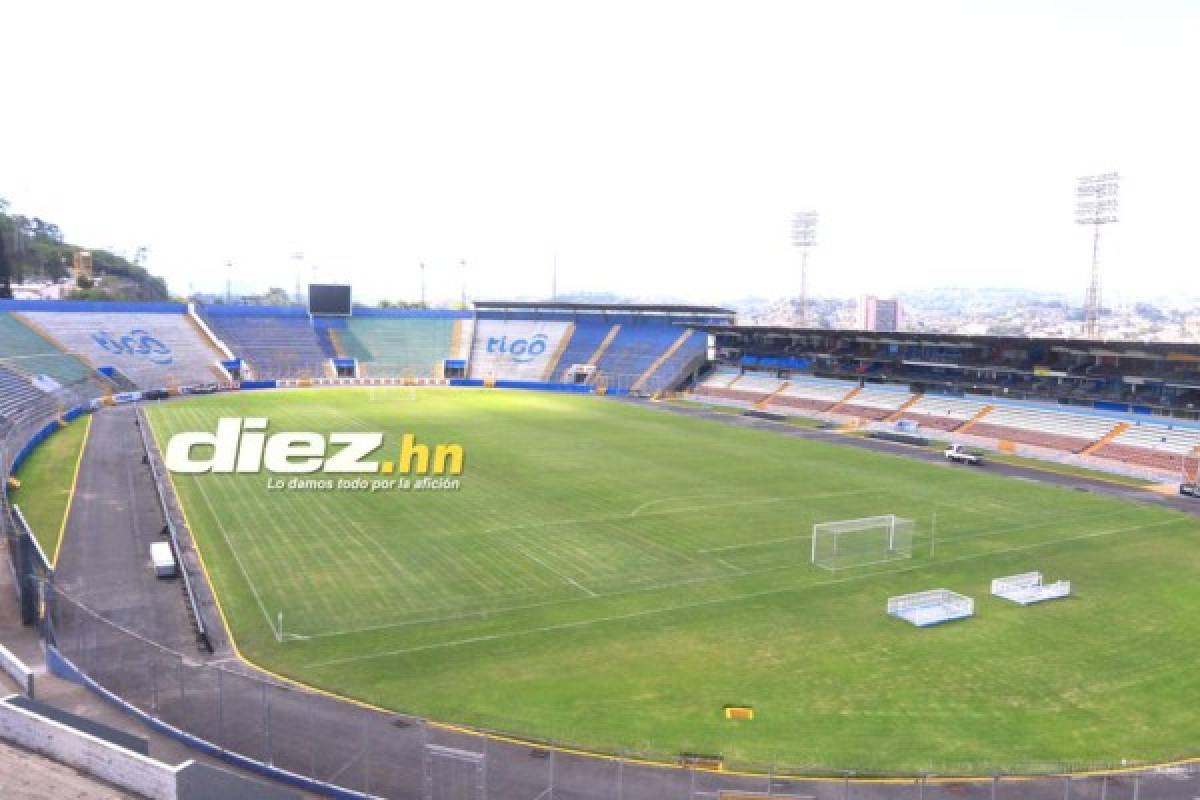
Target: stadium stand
(810, 394)
(394, 347)
(585, 341)
(153, 350)
(668, 370)
(276, 343)
(24, 350)
(1152, 445)
(875, 403)
(16, 393)
(331, 342)
(517, 349)
(719, 385)
(941, 412)
(1043, 428)
(636, 347)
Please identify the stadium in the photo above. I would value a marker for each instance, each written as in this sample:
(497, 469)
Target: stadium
(581, 550)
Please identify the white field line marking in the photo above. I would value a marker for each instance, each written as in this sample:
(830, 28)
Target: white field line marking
(564, 577)
(731, 565)
(238, 559)
(269, 553)
(941, 539)
(720, 601)
(649, 503)
(484, 613)
(272, 553)
(688, 510)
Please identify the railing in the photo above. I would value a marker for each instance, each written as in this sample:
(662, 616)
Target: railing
(151, 455)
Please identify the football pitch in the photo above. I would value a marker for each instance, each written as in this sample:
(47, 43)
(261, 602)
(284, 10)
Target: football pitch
(611, 576)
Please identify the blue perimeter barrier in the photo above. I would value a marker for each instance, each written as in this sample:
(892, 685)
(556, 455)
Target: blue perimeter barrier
(93, 306)
(539, 386)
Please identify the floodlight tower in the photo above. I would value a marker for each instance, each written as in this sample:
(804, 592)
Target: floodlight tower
(1096, 205)
(298, 259)
(804, 236)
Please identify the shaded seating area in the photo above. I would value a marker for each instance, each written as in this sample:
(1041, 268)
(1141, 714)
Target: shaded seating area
(275, 343)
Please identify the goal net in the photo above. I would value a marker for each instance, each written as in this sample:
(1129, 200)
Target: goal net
(845, 543)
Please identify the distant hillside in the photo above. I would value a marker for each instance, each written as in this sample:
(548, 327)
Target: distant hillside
(34, 250)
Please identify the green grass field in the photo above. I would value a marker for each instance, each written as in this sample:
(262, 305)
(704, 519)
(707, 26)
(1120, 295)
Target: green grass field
(610, 576)
(46, 479)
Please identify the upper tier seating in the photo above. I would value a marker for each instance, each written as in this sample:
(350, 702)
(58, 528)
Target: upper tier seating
(274, 345)
(1044, 428)
(517, 349)
(1152, 445)
(942, 413)
(395, 347)
(154, 350)
(588, 336)
(636, 347)
(24, 350)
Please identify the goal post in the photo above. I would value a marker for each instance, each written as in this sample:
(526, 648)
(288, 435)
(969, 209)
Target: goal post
(846, 543)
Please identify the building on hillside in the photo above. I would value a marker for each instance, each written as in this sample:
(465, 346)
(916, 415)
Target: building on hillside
(879, 314)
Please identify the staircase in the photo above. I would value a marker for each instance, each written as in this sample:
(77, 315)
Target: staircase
(658, 362)
(1107, 438)
(604, 345)
(552, 364)
(849, 396)
(899, 412)
(973, 421)
(336, 341)
(766, 401)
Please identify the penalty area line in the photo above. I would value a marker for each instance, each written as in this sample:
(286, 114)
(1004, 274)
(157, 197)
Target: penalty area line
(721, 601)
(546, 566)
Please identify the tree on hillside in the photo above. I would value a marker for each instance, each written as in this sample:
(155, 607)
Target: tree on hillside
(5, 264)
(5, 272)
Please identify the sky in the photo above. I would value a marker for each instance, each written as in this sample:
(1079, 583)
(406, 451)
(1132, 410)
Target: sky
(650, 149)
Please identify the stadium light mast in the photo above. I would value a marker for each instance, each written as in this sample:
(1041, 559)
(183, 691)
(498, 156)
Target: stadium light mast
(462, 262)
(1095, 205)
(299, 259)
(422, 284)
(804, 236)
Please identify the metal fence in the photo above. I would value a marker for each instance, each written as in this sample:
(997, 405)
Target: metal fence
(18, 433)
(362, 750)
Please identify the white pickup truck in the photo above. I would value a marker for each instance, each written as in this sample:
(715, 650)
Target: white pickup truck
(961, 455)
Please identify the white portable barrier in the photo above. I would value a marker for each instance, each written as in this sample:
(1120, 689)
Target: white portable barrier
(931, 607)
(17, 670)
(1027, 588)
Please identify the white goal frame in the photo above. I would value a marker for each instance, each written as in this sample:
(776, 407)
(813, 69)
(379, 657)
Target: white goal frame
(895, 534)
